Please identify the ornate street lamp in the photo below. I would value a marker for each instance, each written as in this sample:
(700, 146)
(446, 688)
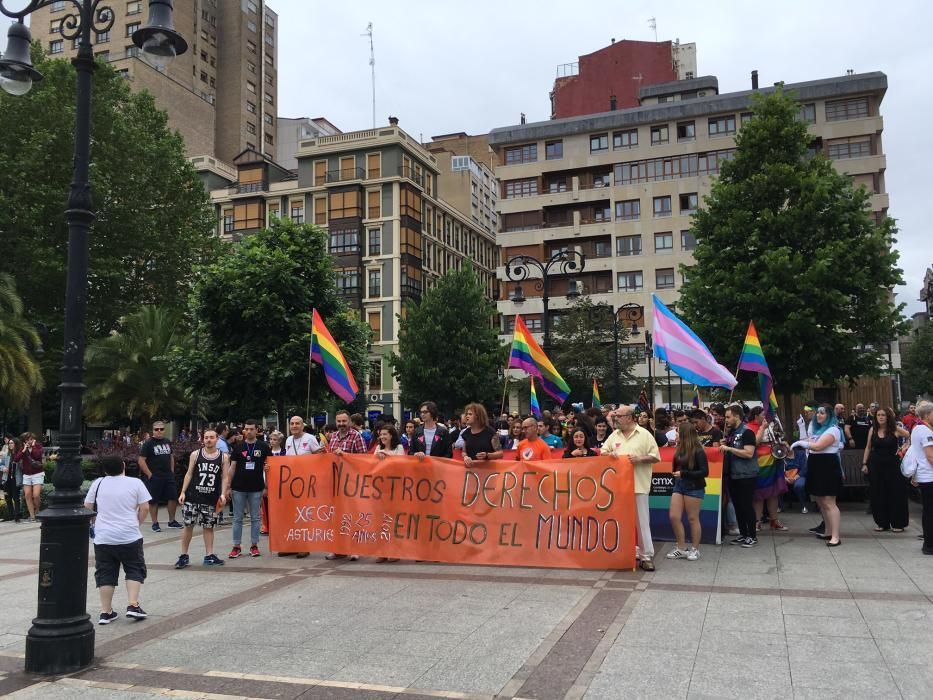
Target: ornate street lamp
(563, 262)
(625, 317)
(61, 639)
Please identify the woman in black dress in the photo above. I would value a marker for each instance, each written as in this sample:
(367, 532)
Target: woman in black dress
(887, 486)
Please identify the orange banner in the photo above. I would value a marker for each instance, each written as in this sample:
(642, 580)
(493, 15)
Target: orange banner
(573, 513)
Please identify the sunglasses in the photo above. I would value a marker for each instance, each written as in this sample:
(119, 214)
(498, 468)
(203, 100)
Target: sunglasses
(158, 430)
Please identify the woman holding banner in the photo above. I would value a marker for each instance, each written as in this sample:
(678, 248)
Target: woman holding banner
(690, 471)
(389, 443)
(576, 445)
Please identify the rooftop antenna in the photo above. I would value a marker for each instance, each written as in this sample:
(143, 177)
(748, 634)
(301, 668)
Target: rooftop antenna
(372, 65)
(653, 25)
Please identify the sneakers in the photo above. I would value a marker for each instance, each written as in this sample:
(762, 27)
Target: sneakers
(234, 553)
(254, 551)
(175, 525)
(156, 528)
(135, 612)
(213, 560)
(734, 531)
(750, 542)
(804, 511)
(738, 540)
(693, 554)
(758, 526)
(676, 554)
(819, 529)
(182, 562)
(107, 618)
(778, 525)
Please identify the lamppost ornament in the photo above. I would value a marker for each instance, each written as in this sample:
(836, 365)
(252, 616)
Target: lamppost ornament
(61, 639)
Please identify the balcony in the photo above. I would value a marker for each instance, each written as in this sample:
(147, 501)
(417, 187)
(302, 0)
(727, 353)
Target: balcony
(410, 174)
(346, 174)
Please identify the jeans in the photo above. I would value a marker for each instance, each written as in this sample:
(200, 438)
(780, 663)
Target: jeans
(242, 499)
(800, 490)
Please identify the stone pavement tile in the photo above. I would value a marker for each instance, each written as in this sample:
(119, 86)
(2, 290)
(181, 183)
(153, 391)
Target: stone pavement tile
(896, 619)
(634, 662)
(914, 681)
(825, 626)
(827, 607)
(729, 603)
(431, 644)
(680, 639)
(833, 649)
(13, 641)
(482, 673)
(760, 678)
(764, 621)
(53, 691)
(906, 651)
(732, 644)
(384, 668)
(671, 683)
(801, 693)
(863, 678)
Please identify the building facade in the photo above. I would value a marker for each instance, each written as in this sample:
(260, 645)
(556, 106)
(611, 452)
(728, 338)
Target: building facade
(221, 95)
(291, 131)
(468, 184)
(621, 186)
(391, 234)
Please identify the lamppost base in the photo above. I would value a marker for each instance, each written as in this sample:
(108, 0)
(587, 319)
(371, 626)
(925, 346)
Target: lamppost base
(59, 646)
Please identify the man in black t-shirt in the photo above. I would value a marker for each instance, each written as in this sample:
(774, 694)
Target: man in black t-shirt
(248, 486)
(157, 466)
(709, 434)
(858, 427)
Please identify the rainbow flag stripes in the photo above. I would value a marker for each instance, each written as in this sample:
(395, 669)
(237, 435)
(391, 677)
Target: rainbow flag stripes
(535, 406)
(527, 355)
(752, 359)
(326, 353)
(596, 401)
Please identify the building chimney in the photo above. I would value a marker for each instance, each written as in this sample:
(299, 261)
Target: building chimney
(612, 103)
(393, 121)
(523, 117)
(754, 80)
(613, 40)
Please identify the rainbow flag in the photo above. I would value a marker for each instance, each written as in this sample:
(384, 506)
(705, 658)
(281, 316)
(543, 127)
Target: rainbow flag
(643, 404)
(535, 406)
(327, 354)
(752, 359)
(596, 402)
(527, 355)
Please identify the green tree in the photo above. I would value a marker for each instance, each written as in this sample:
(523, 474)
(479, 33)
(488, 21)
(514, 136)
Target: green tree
(20, 376)
(448, 349)
(917, 370)
(129, 372)
(583, 347)
(787, 241)
(251, 311)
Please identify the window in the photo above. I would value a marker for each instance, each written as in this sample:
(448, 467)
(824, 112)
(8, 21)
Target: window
(663, 241)
(132, 51)
(662, 206)
(849, 148)
(745, 118)
(688, 202)
(659, 134)
(267, 118)
(250, 128)
(521, 154)
(56, 46)
(630, 281)
(629, 210)
(132, 8)
(375, 283)
(268, 98)
(228, 220)
(55, 26)
(251, 107)
(344, 241)
(273, 211)
(251, 25)
(345, 204)
(320, 172)
(132, 27)
(687, 240)
(268, 39)
(373, 165)
(375, 375)
(269, 139)
(633, 353)
(297, 212)
(248, 216)
(807, 113)
(102, 55)
(686, 131)
(59, 6)
(250, 66)
(375, 324)
(374, 204)
(203, 76)
(521, 188)
(270, 79)
(251, 46)
(625, 139)
(600, 214)
(553, 150)
(599, 142)
(320, 211)
(628, 245)
(268, 59)
(104, 37)
(410, 280)
(251, 86)
(664, 278)
(348, 282)
(410, 203)
(721, 126)
(655, 169)
(375, 241)
(251, 7)
(602, 249)
(852, 108)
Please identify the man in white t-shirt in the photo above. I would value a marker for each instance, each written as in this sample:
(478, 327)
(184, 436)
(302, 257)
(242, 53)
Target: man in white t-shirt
(122, 503)
(299, 442)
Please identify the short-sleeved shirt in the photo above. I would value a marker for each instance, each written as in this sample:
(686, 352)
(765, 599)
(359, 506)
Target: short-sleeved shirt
(305, 444)
(117, 499)
(158, 455)
(921, 437)
(531, 450)
(740, 467)
(640, 443)
(552, 440)
(248, 462)
(859, 427)
(352, 442)
(708, 437)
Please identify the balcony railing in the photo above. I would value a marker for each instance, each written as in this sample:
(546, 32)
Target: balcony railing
(345, 174)
(411, 175)
(242, 187)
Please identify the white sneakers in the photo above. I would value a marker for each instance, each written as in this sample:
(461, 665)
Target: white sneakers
(691, 554)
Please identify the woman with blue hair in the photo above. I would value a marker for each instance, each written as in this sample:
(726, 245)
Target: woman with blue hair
(824, 472)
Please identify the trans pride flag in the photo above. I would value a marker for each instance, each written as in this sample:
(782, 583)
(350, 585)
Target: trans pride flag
(326, 353)
(527, 355)
(752, 359)
(683, 350)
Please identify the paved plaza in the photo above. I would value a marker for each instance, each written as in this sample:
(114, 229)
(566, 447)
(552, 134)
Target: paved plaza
(789, 619)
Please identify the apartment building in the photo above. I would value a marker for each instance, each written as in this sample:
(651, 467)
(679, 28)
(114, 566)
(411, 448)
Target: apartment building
(293, 130)
(221, 95)
(468, 182)
(620, 186)
(392, 235)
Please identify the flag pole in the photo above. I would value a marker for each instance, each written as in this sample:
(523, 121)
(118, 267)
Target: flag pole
(505, 389)
(308, 397)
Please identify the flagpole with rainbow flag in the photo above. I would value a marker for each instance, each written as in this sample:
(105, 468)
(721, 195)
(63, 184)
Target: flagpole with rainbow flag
(597, 403)
(533, 400)
(752, 359)
(527, 355)
(326, 352)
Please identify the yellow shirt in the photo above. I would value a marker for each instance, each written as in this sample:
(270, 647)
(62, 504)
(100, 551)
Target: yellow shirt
(640, 444)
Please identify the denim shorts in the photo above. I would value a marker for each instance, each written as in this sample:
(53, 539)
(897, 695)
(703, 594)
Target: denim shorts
(693, 493)
(34, 479)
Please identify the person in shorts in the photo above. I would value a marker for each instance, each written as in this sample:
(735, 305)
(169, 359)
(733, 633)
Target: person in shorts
(157, 465)
(202, 497)
(690, 469)
(122, 503)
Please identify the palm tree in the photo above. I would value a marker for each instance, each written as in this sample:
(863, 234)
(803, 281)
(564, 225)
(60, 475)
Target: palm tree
(128, 372)
(20, 375)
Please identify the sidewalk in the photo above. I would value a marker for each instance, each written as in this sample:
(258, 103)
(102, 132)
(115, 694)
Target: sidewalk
(790, 618)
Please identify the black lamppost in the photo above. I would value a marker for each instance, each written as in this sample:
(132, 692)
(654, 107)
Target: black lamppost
(61, 639)
(563, 262)
(626, 316)
(649, 355)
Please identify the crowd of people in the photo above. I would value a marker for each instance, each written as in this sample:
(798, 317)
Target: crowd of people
(223, 467)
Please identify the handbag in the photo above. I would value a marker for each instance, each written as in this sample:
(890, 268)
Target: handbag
(909, 464)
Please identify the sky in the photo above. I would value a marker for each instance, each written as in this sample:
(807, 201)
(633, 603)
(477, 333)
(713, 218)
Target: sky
(445, 66)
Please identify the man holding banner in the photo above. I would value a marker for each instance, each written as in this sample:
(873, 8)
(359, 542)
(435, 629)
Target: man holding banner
(640, 446)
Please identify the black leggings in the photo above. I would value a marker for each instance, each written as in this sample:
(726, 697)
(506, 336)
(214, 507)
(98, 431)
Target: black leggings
(12, 500)
(742, 492)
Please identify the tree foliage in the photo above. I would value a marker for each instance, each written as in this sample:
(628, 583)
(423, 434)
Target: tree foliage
(583, 347)
(449, 351)
(787, 241)
(20, 376)
(128, 373)
(251, 311)
(918, 364)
